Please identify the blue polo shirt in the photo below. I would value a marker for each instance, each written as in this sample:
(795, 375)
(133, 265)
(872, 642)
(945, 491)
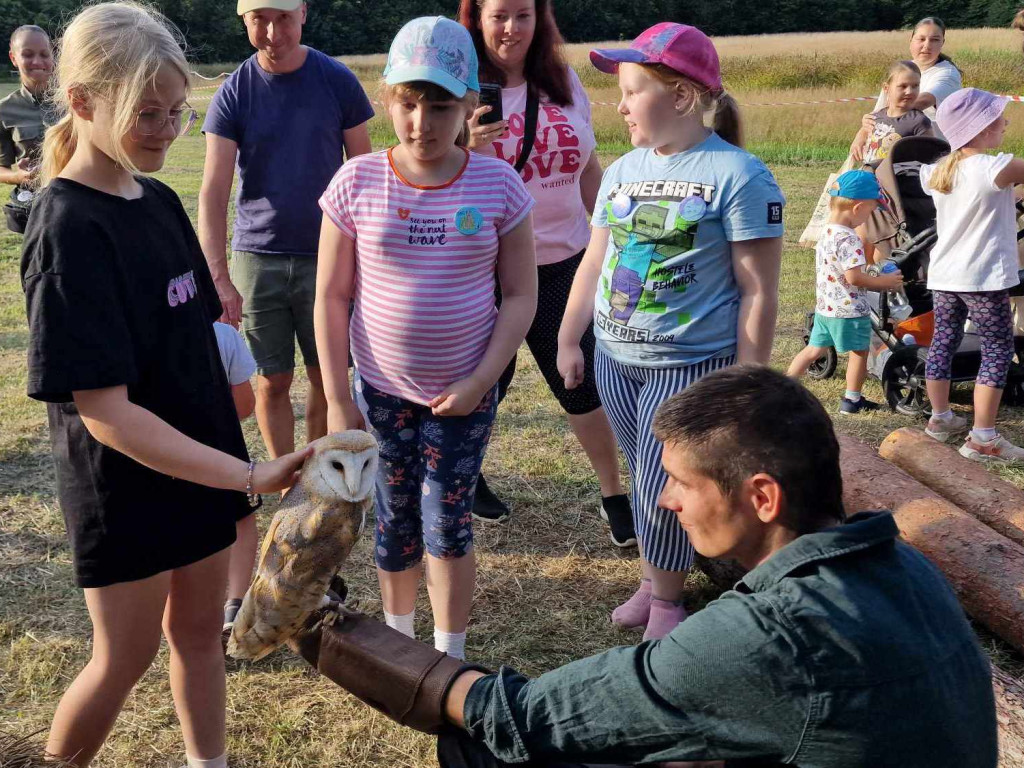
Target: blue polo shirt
(290, 134)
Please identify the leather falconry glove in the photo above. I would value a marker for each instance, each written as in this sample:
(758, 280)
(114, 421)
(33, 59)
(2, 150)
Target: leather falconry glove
(397, 675)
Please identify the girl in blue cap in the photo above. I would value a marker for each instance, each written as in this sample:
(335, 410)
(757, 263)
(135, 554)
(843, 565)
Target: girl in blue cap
(680, 277)
(415, 236)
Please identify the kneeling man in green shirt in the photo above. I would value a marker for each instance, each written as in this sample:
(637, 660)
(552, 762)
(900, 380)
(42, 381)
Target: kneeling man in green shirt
(842, 647)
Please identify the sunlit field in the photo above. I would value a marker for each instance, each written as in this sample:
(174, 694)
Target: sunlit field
(549, 577)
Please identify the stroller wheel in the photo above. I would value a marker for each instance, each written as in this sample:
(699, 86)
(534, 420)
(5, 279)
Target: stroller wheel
(1013, 395)
(824, 366)
(903, 381)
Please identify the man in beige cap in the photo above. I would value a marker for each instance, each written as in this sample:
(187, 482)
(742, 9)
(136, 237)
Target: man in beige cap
(286, 118)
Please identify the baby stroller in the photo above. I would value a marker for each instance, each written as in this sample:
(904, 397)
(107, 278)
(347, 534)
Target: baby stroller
(906, 233)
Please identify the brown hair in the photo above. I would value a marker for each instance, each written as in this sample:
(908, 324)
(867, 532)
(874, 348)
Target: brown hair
(545, 68)
(904, 65)
(747, 419)
(421, 90)
(27, 28)
(935, 21)
(1018, 21)
(726, 122)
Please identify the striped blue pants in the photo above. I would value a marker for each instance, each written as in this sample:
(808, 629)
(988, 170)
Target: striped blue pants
(630, 396)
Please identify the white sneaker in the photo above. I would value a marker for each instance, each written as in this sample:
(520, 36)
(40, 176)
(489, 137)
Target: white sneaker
(942, 430)
(996, 449)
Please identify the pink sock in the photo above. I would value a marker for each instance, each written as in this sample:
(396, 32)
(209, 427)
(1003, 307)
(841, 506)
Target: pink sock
(634, 612)
(665, 616)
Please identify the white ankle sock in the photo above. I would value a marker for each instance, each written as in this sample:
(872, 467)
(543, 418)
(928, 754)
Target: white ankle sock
(943, 417)
(217, 762)
(452, 643)
(403, 623)
(984, 435)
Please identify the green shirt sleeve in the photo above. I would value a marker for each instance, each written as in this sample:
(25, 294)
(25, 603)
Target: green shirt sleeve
(723, 685)
(8, 152)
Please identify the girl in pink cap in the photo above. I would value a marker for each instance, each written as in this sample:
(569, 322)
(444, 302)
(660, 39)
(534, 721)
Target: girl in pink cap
(680, 277)
(973, 264)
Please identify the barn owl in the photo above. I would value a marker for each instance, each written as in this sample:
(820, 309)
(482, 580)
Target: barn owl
(309, 538)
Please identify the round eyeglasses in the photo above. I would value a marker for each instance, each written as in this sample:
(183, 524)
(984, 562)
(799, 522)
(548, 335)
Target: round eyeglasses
(151, 120)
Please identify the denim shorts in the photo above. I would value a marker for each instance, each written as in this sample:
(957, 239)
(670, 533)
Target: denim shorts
(846, 334)
(277, 307)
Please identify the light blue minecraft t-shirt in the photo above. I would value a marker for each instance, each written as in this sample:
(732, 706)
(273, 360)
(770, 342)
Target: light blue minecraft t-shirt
(667, 296)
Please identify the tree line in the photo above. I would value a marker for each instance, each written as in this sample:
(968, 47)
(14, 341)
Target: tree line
(341, 27)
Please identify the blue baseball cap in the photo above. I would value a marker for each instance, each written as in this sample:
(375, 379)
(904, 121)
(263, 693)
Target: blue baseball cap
(436, 50)
(858, 185)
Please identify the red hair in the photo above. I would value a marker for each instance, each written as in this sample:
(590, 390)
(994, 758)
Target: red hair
(544, 68)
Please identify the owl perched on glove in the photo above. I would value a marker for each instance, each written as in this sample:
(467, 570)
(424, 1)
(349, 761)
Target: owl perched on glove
(309, 539)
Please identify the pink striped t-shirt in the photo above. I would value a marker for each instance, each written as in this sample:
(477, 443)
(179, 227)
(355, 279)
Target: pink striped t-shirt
(425, 268)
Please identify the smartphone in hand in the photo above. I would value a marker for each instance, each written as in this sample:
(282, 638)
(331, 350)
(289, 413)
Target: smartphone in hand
(490, 96)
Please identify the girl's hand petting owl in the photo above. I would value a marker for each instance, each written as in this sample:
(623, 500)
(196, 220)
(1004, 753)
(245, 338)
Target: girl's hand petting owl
(282, 472)
(459, 398)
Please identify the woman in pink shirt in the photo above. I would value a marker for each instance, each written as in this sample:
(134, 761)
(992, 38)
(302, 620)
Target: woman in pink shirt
(517, 42)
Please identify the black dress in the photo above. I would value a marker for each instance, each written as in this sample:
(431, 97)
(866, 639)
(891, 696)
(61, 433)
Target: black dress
(119, 293)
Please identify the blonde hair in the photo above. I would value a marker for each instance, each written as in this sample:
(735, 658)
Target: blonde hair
(109, 51)
(726, 121)
(421, 90)
(944, 176)
(838, 204)
(904, 65)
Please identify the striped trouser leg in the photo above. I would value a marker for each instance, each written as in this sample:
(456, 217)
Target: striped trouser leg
(619, 386)
(663, 542)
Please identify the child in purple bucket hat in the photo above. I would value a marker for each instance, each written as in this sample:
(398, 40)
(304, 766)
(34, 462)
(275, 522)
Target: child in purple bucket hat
(680, 277)
(973, 264)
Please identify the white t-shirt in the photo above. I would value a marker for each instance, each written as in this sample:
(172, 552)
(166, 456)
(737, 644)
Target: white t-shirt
(941, 80)
(238, 361)
(839, 249)
(976, 249)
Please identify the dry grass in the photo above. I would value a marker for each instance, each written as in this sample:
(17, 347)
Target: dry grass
(547, 579)
(25, 752)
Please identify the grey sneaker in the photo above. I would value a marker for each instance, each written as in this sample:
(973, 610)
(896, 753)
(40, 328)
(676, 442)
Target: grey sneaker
(942, 430)
(998, 449)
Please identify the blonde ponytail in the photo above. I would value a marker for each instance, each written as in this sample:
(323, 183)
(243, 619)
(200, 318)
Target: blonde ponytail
(111, 52)
(58, 147)
(944, 177)
(727, 121)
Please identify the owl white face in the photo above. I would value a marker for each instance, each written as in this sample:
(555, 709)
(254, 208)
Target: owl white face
(345, 474)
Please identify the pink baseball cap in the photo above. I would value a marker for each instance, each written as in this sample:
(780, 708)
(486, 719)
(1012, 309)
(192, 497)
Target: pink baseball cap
(685, 49)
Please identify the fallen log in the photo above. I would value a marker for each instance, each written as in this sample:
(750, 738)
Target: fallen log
(985, 568)
(1009, 693)
(970, 486)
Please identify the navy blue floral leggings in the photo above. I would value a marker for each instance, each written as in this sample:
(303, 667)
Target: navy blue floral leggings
(990, 312)
(426, 477)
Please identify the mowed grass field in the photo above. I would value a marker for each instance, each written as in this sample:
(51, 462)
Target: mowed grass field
(547, 579)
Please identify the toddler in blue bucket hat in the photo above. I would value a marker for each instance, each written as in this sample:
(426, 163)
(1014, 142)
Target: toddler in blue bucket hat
(421, 233)
(841, 312)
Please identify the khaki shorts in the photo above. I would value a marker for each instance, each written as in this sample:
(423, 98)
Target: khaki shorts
(277, 308)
